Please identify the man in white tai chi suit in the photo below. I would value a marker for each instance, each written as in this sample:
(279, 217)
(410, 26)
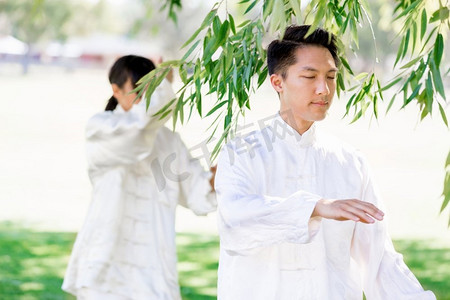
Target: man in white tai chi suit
(298, 210)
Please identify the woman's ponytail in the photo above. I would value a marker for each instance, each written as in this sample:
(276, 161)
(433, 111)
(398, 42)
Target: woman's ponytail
(112, 104)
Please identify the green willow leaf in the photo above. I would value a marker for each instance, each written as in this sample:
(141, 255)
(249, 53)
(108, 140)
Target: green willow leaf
(198, 97)
(414, 35)
(411, 7)
(259, 37)
(154, 83)
(346, 64)
(320, 13)
(224, 136)
(443, 115)
(379, 91)
(344, 26)
(262, 76)
(438, 49)
(392, 83)
(230, 52)
(390, 103)
(354, 32)
(235, 76)
(278, 15)
(340, 84)
(399, 51)
(441, 14)
(165, 108)
(165, 114)
(349, 103)
(216, 107)
(413, 95)
(206, 22)
(186, 55)
(249, 8)
(375, 106)
(169, 63)
(428, 38)
(360, 113)
(223, 34)
(228, 119)
(245, 23)
(210, 49)
(437, 80)
(145, 79)
(232, 25)
(424, 113)
(267, 8)
(361, 76)
(338, 18)
(423, 23)
(447, 161)
(180, 108)
(216, 25)
(412, 62)
(370, 83)
(446, 192)
(297, 8)
(429, 93)
(406, 44)
(183, 74)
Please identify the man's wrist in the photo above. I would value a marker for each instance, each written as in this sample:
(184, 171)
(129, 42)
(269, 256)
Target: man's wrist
(316, 211)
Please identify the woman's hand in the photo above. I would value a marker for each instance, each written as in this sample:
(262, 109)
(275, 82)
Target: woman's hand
(212, 179)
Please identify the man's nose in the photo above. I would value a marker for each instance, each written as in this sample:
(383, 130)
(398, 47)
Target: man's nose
(322, 88)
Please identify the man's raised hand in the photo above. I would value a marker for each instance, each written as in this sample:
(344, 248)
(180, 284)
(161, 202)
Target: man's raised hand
(348, 209)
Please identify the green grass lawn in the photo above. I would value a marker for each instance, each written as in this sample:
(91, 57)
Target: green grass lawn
(32, 264)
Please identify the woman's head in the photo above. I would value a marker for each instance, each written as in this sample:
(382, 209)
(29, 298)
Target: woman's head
(123, 76)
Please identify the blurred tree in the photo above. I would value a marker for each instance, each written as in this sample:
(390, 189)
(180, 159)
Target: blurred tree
(40, 21)
(149, 24)
(446, 191)
(30, 21)
(228, 59)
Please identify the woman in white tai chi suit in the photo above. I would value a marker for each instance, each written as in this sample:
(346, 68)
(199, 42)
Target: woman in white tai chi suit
(140, 170)
(298, 210)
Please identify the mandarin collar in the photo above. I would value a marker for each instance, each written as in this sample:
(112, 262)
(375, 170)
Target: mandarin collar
(119, 110)
(282, 130)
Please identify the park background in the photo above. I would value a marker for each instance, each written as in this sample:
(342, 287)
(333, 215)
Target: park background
(48, 94)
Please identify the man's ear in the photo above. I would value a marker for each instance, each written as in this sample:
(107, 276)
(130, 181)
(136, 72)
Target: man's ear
(117, 92)
(277, 82)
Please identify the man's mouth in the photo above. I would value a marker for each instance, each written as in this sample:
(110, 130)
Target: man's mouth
(320, 103)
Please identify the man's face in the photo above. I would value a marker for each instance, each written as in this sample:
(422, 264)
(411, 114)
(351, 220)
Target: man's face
(308, 88)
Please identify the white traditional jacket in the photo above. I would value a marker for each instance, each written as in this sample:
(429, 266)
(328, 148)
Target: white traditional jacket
(267, 185)
(140, 170)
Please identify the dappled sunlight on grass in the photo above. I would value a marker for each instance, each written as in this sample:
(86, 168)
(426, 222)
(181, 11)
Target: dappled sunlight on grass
(198, 257)
(430, 262)
(32, 264)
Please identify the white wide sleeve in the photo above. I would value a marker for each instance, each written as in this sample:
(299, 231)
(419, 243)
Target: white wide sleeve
(124, 138)
(248, 219)
(196, 191)
(385, 276)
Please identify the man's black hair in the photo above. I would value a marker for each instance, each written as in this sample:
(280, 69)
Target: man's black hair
(281, 53)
